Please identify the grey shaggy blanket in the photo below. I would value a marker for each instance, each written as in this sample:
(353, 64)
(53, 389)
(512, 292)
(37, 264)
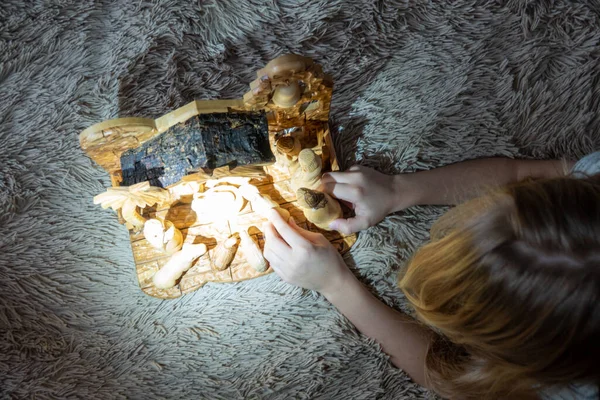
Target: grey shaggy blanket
(417, 85)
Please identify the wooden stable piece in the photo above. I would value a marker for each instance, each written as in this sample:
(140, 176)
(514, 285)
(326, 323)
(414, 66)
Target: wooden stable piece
(295, 94)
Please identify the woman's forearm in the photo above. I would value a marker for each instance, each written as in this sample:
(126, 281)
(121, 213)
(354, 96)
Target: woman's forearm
(455, 183)
(401, 337)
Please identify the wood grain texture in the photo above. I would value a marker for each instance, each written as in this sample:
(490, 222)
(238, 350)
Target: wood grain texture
(307, 120)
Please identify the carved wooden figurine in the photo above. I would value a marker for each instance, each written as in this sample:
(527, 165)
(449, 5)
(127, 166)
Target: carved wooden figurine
(308, 174)
(163, 235)
(179, 262)
(288, 148)
(130, 199)
(319, 208)
(286, 96)
(252, 253)
(224, 254)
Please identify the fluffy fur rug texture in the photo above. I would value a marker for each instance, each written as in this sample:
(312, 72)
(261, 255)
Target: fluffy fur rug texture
(416, 86)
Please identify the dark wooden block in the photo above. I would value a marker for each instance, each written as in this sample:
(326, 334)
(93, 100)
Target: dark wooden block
(203, 142)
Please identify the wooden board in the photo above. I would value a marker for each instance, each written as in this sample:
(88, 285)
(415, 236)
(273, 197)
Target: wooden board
(276, 184)
(106, 141)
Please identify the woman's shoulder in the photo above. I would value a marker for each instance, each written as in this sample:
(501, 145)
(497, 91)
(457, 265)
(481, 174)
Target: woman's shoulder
(588, 165)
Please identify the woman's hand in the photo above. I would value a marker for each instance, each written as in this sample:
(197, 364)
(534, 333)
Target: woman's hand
(307, 259)
(372, 194)
(303, 258)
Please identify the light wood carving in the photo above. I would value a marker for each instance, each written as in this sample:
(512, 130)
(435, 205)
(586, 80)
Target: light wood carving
(286, 96)
(224, 254)
(179, 262)
(308, 174)
(295, 95)
(287, 150)
(131, 199)
(286, 66)
(252, 252)
(319, 208)
(163, 235)
(186, 189)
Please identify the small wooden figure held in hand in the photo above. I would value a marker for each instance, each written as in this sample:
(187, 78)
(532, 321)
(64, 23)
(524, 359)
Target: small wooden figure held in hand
(319, 208)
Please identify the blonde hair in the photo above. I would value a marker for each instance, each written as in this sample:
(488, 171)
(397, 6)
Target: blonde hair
(511, 283)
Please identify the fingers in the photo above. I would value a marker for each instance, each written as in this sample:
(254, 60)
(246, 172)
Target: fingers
(347, 204)
(311, 236)
(344, 191)
(341, 177)
(287, 233)
(276, 250)
(351, 175)
(274, 242)
(350, 225)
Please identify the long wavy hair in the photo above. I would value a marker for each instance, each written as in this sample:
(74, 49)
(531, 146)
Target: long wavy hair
(511, 284)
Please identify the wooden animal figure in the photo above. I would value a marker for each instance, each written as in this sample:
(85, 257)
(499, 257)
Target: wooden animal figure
(163, 235)
(224, 254)
(319, 208)
(167, 276)
(252, 253)
(130, 199)
(308, 174)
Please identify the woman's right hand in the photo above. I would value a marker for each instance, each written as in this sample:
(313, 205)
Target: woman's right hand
(373, 195)
(303, 258)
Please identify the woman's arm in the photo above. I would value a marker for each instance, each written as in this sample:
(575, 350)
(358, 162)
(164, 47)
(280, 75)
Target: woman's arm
(307, 259)
(455, 183)
(401, 337)
(375, 195)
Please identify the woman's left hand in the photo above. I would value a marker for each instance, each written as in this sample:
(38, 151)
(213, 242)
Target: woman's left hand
(303, 258)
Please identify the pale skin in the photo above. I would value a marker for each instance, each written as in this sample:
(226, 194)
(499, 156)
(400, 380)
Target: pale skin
(308, 260)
